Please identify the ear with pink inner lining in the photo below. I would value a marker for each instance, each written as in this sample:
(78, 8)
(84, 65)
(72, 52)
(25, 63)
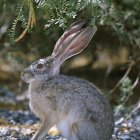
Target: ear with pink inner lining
(73, 41)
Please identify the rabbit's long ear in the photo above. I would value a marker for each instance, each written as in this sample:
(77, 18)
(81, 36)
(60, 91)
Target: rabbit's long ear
(73, 41)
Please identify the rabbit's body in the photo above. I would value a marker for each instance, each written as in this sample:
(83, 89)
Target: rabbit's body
(77, 107)
(69, 99)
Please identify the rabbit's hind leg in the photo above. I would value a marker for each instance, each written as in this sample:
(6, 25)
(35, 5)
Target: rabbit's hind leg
(67, 130)
(82, 131)
(86, 131)
(73, 135)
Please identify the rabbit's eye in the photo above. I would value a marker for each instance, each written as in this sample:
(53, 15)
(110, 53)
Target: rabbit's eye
(40, 66)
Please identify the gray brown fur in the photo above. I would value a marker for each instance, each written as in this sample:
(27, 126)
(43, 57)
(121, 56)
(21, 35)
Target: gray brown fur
(77, 107)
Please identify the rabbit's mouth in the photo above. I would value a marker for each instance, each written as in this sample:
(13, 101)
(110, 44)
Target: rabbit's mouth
(27, 76)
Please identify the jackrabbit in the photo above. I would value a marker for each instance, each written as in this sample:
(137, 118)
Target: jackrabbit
(77, 107)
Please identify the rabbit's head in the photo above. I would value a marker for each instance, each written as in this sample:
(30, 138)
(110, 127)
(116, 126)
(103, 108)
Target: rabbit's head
(72, 42)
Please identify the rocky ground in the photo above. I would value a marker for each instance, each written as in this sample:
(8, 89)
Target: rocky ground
(21, 124)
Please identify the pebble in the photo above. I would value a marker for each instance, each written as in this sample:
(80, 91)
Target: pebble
(22, 124)
(124, 130)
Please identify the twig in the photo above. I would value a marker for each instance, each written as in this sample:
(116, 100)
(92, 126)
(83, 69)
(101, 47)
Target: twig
(136, 82)
(132, 63)
(127, 98)
(133, 110)
(31, 21)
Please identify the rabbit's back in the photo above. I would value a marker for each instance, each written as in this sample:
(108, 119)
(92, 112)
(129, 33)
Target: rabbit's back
(82, 100)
